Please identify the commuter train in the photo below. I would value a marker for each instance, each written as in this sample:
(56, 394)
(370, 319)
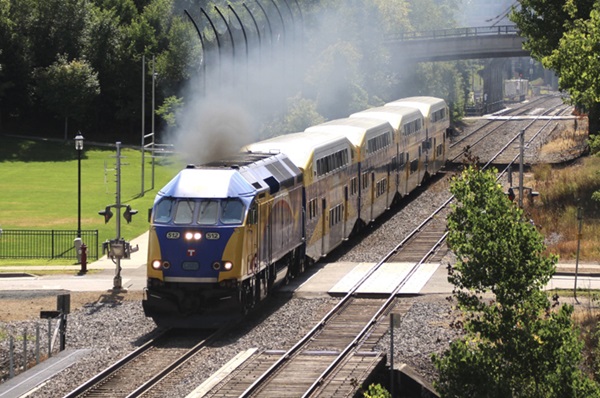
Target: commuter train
(225, 233)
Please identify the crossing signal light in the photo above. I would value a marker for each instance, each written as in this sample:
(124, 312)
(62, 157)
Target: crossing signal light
(106, 213)
(129, 212)
(511, 194)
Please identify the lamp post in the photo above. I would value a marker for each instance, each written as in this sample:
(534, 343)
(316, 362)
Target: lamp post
(79, 148)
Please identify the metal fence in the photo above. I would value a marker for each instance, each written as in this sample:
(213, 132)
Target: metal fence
(50, 244)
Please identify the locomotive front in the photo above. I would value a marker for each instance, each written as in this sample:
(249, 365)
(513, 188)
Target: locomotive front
(197, 252)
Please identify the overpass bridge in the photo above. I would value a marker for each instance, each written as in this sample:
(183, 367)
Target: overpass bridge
(458, 43)
(496, 43)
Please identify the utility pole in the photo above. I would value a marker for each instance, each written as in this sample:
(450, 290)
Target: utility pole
(521, 160)
(580, 221)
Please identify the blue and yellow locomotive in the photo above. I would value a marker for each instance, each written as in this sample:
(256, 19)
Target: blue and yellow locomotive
(222, 235)
(225, 233)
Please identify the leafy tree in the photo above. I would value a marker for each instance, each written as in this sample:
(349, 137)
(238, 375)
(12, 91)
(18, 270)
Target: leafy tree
(543, 22)
(516, 344)
(301, 113)
(56, 27)
(15, 58)
(576, 58)
(376, 391)
(170, 109)
(68, 88)
(560, 35)
(180, 58)
(125, 9)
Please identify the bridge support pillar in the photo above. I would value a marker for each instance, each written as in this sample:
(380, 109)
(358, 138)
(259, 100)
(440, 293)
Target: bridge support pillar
(493, 85)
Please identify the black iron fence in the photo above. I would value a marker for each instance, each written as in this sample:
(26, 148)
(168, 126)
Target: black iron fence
(51, 244)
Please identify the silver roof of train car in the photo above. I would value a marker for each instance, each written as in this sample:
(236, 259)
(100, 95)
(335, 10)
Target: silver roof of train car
(427, 105)
(394, 115)
(299, 147)
(207, 183)
(357, 130)
(237, 176)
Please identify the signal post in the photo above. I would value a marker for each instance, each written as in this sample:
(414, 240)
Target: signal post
(118, 248)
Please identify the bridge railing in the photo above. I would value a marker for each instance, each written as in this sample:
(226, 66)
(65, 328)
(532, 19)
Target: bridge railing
(456, 32)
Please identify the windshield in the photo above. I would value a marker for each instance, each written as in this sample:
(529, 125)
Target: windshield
(232, 211)
(185, 212)
(163, 211)
(208, 212)
(199, 211)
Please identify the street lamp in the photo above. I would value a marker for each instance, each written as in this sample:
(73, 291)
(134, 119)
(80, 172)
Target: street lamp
(79, 149)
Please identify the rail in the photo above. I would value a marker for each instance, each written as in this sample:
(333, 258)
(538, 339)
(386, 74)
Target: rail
(456, 32)
(50, 244)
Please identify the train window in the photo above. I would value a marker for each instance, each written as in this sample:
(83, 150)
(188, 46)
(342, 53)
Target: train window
(207, 214)
(184, 212)
(401, 159)
(163, 211)
(232, 211)
(353, 186)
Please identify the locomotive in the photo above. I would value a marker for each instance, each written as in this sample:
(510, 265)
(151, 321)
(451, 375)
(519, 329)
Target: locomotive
(224, 234)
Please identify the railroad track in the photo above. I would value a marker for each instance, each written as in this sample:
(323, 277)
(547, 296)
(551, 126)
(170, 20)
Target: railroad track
(143, 368)
(338, 353)
(335, 354)
(494, 127)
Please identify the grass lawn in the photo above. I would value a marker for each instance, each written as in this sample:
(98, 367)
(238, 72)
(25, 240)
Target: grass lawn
(38, 185)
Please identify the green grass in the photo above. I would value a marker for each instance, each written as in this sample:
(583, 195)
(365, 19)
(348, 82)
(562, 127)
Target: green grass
(38, 185)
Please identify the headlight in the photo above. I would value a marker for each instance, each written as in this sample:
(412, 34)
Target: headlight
(227, 265)
(193, 235)
(158, 264)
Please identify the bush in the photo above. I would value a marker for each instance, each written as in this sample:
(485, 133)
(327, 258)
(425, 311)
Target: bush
(594, 143)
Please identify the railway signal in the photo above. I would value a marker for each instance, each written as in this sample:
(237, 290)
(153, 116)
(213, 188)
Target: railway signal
(107, 214)
(511, 194)
(129, 212)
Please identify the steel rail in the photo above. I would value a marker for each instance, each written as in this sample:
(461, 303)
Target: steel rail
(345, 300)
(114, 367)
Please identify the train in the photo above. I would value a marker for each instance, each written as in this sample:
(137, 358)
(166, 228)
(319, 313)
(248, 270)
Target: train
(224, 234)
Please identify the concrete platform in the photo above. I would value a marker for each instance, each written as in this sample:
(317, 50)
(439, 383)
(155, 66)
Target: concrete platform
(31, 379)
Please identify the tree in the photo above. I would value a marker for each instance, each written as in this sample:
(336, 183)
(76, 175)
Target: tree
(543, 22)
(300, 114)
(68, 88)
(559, 35)
(576, 57)
(170, 110)
(516, 344)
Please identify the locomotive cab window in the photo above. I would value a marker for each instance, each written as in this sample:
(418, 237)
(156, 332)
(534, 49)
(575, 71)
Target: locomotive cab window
(164, 211)
(232, 211)
(184, 213)
(208, 212)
